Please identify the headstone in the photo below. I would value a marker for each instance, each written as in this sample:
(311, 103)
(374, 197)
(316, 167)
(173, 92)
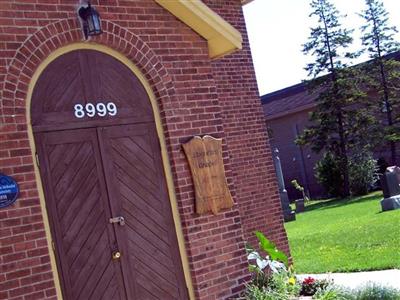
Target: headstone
(288, 214)
(396, 170)
(391, 189)
(299, 205)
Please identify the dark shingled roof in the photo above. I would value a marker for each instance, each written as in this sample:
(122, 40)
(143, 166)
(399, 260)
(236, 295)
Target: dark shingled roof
(287, 99)
(295, 97)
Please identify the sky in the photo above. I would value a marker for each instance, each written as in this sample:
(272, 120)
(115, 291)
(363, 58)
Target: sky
(278, 28)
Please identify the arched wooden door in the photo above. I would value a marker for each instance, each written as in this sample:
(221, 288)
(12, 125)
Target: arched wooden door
(106, 196)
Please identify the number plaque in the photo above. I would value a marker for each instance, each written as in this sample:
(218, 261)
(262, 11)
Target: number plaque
(91, 110)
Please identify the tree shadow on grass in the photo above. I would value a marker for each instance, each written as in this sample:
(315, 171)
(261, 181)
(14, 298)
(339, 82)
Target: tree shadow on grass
(338, 202)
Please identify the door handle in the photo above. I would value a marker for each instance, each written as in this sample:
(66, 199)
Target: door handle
(116, 255)
(119, 220)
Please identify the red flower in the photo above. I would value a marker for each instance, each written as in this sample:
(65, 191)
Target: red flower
(308, 280)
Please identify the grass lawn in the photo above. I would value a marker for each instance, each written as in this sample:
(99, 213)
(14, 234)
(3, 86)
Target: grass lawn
(345, 235)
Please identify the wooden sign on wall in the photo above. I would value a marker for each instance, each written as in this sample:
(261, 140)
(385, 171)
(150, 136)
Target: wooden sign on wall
(208, 173)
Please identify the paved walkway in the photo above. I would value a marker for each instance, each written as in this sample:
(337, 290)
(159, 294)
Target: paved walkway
(354, 280)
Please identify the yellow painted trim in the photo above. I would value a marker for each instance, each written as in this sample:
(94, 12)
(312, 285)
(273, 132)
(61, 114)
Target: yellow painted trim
(222, 37)
(164, 154)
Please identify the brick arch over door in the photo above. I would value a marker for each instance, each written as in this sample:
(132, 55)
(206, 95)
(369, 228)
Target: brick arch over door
(45, 41)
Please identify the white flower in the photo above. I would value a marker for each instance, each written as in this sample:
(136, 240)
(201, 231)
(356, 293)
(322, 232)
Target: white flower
(276, 266)
(262, 263)
(253, 255)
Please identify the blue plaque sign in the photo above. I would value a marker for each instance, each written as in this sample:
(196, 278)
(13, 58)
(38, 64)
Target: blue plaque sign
(9, 190)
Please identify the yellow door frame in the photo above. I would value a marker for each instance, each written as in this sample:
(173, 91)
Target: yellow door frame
(167, 168)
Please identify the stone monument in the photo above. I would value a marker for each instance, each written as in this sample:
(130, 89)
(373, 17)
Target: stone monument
(391, 188)
(396, 170)
(288, 214)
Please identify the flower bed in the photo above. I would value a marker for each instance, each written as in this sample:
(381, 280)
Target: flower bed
(274, 279)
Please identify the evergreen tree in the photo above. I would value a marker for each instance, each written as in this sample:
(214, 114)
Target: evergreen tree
(383, 72)
(339, 121)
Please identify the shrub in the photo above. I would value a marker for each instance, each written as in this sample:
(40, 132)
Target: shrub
(272, 278)
(253, 292)
(333, 293)
(284, 283)
(327, 172)
(279, 287)
(362, 173)
(263, 267)
(368, 292)
(374, 291)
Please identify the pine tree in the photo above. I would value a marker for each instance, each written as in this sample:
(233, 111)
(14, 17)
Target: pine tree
(383, 72)
(339, 121)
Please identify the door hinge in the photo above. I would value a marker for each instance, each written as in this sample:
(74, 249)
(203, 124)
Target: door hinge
(37, 160)
(53, 245)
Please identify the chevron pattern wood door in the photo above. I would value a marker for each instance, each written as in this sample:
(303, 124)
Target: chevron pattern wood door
(102, 166)
(92, 175)
(79, 211)
(138, 192)
(82, 77)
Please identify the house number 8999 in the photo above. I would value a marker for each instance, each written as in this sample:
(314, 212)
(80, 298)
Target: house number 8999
(91, 110)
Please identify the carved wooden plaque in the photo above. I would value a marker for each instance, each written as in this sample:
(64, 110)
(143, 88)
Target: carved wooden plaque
(208, 173)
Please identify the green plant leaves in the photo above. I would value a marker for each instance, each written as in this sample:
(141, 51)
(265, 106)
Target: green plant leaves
(270, 248)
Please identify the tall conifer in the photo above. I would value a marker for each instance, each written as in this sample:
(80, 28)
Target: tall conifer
(339, 121)
(383, 73)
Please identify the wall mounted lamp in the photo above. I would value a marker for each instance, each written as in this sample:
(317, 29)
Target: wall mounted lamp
(90, 20)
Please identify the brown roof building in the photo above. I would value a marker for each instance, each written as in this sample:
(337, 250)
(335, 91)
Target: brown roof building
(287, 114)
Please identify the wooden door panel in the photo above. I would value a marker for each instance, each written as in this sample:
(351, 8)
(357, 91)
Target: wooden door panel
(137, 191)
(136, 186)
(112, 168)
(82, 77)
(78, 208)
(59, 86)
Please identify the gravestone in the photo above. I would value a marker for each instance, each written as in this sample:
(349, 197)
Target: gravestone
(288, 214)
(299, 206)
(396, 170)
(391, 189)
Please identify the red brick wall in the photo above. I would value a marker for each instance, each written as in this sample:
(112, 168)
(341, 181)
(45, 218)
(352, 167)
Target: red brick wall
(195, 97)
(246, 134)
